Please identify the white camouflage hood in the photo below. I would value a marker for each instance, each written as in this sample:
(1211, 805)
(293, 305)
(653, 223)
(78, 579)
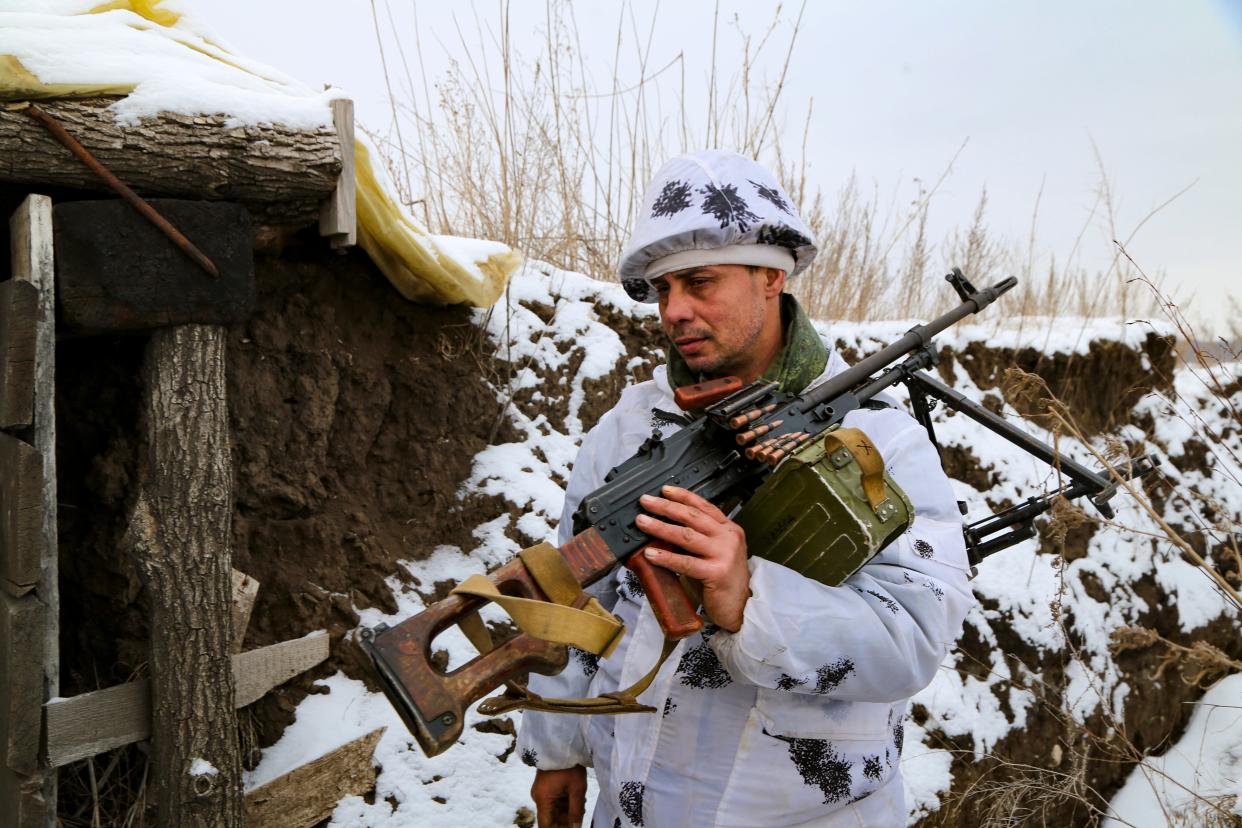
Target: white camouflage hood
(705, 201)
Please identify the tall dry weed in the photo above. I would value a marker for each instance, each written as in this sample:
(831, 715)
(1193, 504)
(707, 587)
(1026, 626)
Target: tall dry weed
(527, 145)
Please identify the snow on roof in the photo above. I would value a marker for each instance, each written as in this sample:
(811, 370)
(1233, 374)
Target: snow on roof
(160, 57)
(156, 54)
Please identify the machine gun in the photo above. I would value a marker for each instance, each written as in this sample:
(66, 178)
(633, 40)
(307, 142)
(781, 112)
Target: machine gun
(724, 455)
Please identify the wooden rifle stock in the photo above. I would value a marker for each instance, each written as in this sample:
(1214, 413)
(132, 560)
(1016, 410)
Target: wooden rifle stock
(433, 702)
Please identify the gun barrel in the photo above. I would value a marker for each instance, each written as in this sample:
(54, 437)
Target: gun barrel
(917, 337)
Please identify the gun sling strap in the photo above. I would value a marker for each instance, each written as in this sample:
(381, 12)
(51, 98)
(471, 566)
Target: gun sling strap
(570, 616)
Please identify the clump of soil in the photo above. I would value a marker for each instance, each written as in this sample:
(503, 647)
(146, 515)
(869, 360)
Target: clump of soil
(1100, 388)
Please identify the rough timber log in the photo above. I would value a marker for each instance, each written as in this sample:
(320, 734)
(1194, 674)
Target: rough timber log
(281, 175)
(180, 534)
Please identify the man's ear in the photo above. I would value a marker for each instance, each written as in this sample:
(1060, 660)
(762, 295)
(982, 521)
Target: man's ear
(773, 282)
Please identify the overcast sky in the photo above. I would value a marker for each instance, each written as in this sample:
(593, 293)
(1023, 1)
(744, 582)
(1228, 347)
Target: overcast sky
(899, 86)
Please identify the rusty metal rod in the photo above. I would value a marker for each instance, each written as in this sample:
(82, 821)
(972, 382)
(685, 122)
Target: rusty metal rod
(136, 201)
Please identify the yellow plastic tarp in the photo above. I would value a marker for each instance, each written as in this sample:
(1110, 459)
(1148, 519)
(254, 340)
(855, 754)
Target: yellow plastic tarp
(422, 266)
(426, 268)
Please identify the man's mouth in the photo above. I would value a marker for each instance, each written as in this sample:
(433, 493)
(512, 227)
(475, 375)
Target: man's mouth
(689, 343)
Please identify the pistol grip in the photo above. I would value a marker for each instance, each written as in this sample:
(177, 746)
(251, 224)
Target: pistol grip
(668, 598)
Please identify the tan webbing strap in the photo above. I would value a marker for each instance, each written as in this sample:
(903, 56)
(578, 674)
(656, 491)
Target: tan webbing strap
(519, 697)
(592, 628)
(544, 563)
(476, 632)
(575, 618)
(570, 617)
(868, 458)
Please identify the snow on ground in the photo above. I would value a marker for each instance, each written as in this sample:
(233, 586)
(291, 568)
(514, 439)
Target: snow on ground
(469, 785)
(1197, 778)
(479, 787)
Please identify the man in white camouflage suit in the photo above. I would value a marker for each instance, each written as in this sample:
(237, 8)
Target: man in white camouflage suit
(787, 709)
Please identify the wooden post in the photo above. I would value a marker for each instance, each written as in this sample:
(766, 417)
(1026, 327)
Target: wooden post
(338, 217)
(30, 234)
(180, 533)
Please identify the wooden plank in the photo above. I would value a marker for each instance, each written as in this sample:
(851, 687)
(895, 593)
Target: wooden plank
(338, 217)
(258, 671)
(308, 794)
(19, 313)
(245, 589)
(21, 514)
(116, 272)
(15, 590)
(33, 261)
(21, 800)
(91, 723)
(21, 691)
(30, 238)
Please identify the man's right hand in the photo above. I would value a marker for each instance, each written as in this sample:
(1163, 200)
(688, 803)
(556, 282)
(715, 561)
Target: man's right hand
(560, 797)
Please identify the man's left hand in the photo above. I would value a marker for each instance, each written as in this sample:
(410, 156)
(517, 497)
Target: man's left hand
(715, 547)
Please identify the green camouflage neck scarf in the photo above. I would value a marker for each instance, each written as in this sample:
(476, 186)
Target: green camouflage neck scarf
(801, 360)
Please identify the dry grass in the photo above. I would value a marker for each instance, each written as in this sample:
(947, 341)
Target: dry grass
(530, 147)
(105, 790)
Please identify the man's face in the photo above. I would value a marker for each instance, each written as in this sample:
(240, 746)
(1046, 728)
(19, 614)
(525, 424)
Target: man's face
(715, 316)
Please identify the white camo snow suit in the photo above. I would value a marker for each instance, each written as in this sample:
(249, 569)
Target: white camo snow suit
(796, 719)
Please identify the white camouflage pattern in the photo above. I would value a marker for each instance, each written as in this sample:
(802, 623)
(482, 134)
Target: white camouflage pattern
(795, 720)
(710, 199)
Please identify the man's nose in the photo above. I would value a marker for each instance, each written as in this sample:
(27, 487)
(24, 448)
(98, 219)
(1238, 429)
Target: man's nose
(676, 307)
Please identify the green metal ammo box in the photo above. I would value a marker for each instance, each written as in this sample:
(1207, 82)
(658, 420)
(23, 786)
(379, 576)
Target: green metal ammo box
(815, 515)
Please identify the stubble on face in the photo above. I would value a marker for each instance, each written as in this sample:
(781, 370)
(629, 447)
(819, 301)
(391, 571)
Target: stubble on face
(729, 328)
